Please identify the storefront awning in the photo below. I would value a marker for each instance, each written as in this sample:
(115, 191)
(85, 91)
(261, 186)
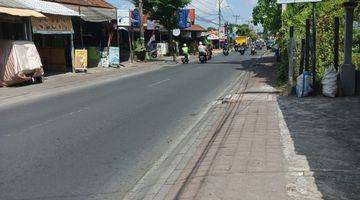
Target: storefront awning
(20, 12)
(94, 14)
(49, 7)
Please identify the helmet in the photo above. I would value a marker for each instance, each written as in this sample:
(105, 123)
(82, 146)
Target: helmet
(184, 45)
(200, 43)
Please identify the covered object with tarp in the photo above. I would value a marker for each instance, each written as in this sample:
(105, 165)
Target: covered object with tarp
(19, 62)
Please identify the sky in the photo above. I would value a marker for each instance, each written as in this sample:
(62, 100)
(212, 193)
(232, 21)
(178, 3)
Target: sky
(206, 10)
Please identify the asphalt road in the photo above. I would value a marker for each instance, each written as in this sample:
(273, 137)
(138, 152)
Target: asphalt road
(95, 143)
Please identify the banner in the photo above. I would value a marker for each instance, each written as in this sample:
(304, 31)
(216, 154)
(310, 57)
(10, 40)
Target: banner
(52, 24)
(81, 57)
(151, 25)
(135, 18)
(191, 16)
(182, 15)
(114, 58)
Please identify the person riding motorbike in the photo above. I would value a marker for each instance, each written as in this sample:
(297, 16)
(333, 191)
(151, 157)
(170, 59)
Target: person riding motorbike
(253, 50)
(202, 50)
(226, 48)
(185, 51)
(242, 49)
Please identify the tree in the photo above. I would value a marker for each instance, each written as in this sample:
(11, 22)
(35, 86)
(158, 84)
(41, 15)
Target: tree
(164, 11)
(268, 14)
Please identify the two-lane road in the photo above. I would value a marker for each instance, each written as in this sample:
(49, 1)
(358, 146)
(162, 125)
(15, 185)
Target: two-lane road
(95, 143)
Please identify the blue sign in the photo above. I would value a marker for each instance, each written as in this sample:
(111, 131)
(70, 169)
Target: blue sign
(135, 18)
(183, 17)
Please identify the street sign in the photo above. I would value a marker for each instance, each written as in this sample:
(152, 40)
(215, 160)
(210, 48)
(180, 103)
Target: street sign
(296, 1)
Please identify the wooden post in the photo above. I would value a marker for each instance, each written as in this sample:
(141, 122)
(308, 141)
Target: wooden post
(291, 56)
(336, 42)
(130, 44)
(72, 53)
(307, 45)
(301, 69)
(313, 53)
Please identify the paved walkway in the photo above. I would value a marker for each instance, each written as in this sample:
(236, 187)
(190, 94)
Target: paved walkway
(277, 148)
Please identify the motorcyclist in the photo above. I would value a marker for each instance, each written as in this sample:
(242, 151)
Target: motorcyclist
(253, 50)
(226, 45)
(185, 51)
(202, 49)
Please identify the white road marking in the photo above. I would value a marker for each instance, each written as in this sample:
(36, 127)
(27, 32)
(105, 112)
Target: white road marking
(158, 83)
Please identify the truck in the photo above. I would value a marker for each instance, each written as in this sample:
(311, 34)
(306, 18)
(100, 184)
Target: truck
(241, 40)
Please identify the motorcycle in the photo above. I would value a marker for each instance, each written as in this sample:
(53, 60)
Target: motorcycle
(185, 60)
(242, 50)
(202, 57)
(253, 51)
(209, 54)
(153, 53)
(236, 48)
(226, 51)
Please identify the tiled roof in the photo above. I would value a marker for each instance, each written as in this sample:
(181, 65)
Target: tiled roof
(89, 3)
(195, 27)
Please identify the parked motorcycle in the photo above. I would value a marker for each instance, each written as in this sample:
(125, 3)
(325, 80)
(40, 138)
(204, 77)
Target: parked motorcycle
(202, 57)
(153, 53)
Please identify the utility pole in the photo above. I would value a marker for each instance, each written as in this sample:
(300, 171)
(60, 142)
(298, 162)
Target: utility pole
(219, 13)
(236, 18)
(141, 16)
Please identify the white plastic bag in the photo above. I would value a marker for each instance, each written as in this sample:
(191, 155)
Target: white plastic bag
(329, 82)
(303, 86)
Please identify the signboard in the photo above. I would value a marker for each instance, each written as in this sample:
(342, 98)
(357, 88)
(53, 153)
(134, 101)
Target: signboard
(135, 18)
(296, 1)
(191, 16)
(114, 57)
(151, 25)
(176, 32)
(123, 18)
(81, 57)
(52, 24)
(183, 21)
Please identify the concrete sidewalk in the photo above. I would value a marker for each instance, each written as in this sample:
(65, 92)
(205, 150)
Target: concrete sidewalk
(274, 147)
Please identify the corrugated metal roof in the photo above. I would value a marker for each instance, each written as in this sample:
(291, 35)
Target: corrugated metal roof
(40, 6)
(12, 4)
(20, 12)
(88, 3)
(49, 7)
(196, 28)
(93, 14)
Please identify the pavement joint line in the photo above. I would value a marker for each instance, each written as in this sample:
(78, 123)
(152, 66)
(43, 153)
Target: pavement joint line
(191, 174)
(229, 110)
(201, 122)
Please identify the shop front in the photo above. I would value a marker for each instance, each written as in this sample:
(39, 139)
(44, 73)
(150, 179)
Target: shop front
(15, 23)
(53, 36)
